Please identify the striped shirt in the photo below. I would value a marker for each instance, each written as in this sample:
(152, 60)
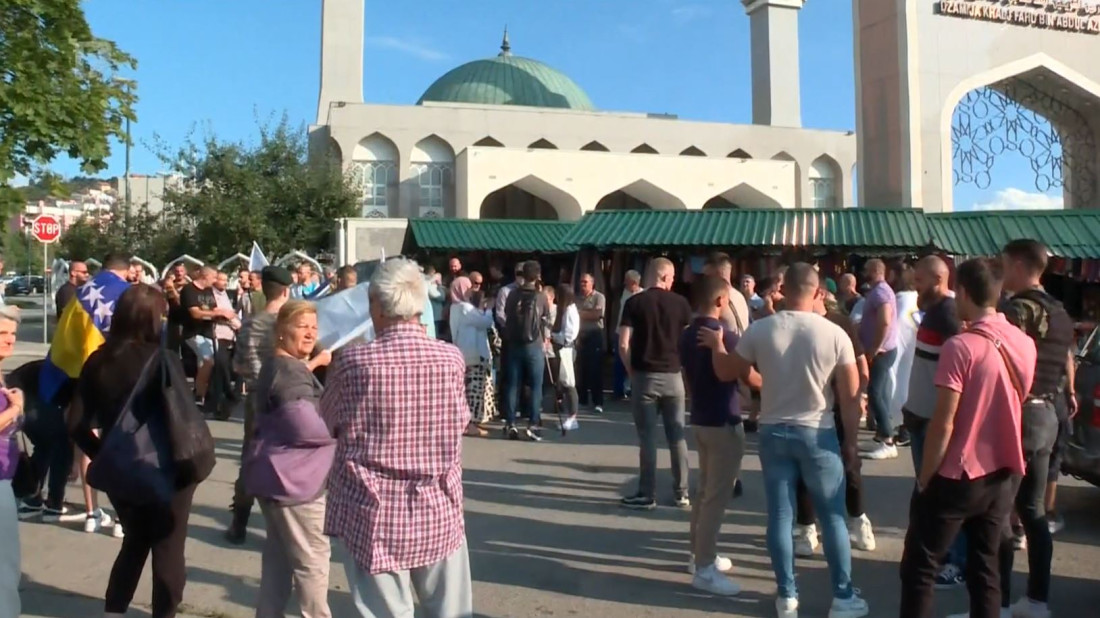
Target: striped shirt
(940, 323)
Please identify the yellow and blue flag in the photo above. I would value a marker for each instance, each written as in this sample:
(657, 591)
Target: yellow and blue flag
(82, 328)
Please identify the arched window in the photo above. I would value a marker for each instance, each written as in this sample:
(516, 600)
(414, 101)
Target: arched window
(374, 170)
(432, 167)
(823, 182)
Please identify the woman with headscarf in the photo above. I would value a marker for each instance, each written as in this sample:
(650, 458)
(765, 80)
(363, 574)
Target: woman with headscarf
(471, 319)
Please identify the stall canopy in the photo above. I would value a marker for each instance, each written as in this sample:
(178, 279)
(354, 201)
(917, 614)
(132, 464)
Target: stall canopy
(870, 229)
(511, 235)
(1072, 234)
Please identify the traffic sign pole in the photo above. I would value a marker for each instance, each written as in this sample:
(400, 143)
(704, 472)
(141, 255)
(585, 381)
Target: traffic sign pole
(46, 229)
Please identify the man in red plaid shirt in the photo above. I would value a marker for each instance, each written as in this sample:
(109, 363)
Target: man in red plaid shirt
(397, 405)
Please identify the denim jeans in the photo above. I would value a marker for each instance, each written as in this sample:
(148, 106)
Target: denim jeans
(918, 431)
(1040, 430)
(880, 392)
(620, 384)
(789, 453)
(525, 368)
(653, 394)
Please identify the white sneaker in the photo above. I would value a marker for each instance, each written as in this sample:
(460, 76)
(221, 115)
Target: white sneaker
(96, 520)
(861, 534)
(852, 607)
(805, 540)
(710, 580)
(786, 608)
(882, 451)
(117, 531)
(722, 563)
(1019, 543)
(1026, 608)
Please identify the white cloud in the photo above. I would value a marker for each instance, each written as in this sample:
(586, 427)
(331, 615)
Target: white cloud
(690, 12)
(1018, 199)
(408, 47)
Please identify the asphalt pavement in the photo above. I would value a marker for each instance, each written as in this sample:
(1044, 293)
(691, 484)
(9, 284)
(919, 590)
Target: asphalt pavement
(547, 538)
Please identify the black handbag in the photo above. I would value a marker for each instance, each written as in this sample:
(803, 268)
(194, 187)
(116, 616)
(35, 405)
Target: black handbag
(192, 443)
(25, 483)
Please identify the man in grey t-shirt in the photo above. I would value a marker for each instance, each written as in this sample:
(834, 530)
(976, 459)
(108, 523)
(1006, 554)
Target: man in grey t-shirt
(801, 356)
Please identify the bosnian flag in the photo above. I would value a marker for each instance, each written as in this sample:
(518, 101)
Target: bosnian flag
(81, 329)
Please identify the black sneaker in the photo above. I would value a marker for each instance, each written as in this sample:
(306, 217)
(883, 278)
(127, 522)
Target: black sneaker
(950, 576)
(738, 490)
(534, 434)
(903, 438)
(511, 432)
(54, 514)
(681, 501)
(30, 508)
(638, 502)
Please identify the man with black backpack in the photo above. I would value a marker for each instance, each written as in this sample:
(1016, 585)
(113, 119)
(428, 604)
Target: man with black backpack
(1043, 319)
(526, 314)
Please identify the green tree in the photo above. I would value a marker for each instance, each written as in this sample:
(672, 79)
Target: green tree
(60, 91)
(154, 237)
(237, 192)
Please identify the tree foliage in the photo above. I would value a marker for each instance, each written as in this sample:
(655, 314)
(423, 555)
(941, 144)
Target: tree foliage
(232, 193)
(269, 192)
(60, 91)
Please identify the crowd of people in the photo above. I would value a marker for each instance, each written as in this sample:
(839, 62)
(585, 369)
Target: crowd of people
(363, 445)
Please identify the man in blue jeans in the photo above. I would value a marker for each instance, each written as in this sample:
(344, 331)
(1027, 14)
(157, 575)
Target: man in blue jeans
(526, 315)
(797, 352)
(878, 332)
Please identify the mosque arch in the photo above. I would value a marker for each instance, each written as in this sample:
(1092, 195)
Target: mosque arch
(431, 177)
(644, 149)
(530, 197)
(375, 147)
(739, 154)
(825, 186)
(742, 195)
(334, 150)
(489, 142)
(595, 146)
(692, 151)
(543, 144)
(640, 195)
(783, 155)
(374, 172)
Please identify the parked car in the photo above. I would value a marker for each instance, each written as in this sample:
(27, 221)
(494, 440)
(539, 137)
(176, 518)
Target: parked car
(25, 285)
(1082, 455)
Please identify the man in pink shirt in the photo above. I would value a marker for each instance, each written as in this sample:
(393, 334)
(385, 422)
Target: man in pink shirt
(973, 456)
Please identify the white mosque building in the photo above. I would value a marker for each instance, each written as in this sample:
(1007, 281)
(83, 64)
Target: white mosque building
(508, 137)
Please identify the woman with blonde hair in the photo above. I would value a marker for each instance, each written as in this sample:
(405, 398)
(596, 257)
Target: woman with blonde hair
(11, 419)
(471, 320)
(286, 467)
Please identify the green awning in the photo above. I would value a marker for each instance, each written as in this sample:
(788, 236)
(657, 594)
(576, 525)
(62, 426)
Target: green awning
(1070, 234)
(772, 228)
(513, 235)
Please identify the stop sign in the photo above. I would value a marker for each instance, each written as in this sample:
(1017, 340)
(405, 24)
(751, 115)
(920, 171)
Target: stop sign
(46, 228)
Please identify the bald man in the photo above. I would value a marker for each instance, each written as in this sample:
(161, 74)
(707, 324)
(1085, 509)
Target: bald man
(649, 345)
(878, 332)
(939, 323)
(846, 292)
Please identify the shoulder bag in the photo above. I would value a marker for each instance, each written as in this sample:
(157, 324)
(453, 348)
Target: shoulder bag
(1013, 377)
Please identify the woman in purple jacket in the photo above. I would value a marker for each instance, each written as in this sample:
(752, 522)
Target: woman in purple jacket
(11, 416)
(286, 468)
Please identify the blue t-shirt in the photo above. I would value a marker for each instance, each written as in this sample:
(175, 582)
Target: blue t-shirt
(714, 403)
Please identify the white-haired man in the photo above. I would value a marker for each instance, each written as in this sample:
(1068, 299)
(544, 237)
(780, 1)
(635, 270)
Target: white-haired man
(397, 406)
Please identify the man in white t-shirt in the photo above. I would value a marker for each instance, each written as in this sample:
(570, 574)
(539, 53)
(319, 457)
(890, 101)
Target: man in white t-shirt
(801, 356)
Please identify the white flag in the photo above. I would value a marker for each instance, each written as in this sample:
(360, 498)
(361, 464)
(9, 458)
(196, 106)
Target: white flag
(257, 261)
(343, 317)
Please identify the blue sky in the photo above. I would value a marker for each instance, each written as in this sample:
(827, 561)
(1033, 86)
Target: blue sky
(218, 65)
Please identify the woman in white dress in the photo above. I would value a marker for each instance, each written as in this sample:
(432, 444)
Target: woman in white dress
(471, 319)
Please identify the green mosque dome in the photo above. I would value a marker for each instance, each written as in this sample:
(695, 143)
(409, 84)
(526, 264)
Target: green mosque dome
(508, 80)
